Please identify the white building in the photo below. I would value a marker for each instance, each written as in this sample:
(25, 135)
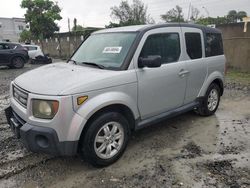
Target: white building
(10, 28)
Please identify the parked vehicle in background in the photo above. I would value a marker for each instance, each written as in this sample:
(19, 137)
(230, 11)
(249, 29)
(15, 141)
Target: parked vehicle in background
(41, 59)
(119, 80)
(13, 55)
(33, 50)
(36, 54)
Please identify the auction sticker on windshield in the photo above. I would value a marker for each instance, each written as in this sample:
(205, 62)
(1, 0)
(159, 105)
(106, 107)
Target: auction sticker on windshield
(114, 49)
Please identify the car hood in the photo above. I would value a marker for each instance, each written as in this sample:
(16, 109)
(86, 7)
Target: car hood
(66, 79)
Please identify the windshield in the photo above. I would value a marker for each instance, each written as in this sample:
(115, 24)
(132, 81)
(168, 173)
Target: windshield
(107, 49)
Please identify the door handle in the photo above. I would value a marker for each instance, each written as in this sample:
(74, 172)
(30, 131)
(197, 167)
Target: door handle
(183, 72)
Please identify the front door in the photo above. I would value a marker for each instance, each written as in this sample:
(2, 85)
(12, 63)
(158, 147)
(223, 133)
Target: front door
(163, 88)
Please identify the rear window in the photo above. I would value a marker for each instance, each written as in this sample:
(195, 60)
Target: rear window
(214, 44)
(30, 48)
(193, 45)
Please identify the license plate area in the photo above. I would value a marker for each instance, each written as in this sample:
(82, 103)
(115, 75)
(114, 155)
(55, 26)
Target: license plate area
(14, 121)
(15, 126)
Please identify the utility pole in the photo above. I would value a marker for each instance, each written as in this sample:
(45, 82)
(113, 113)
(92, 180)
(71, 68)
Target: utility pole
(69, 24)
(189, 9)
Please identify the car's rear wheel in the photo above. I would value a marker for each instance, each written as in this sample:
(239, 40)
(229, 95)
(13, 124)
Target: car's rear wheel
(211, 101)
(17, 62)
(106, 139)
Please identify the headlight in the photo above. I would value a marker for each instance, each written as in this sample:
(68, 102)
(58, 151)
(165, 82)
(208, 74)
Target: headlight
(44, 109)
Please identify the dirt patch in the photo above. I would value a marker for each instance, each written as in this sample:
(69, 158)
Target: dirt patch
(191, 150)
(223, 174)
(231, 150)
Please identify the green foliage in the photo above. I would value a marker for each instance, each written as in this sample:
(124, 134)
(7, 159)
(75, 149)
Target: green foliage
(78, 28)
(127, 14)
(241, 15)
(25, 36)
(210, 20)
(232, 16)
(173, 15)
(41, 16)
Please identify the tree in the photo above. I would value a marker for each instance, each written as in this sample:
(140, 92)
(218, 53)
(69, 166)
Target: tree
(194, 14)
(25, 36)
(173, 15)
(210, 20)
(75, 24)
(232, 16)
(77, 27)
(241, 15)
(133, 14)
(41, 16)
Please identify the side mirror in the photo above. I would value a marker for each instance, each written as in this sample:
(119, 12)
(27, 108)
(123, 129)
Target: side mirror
(153, 61)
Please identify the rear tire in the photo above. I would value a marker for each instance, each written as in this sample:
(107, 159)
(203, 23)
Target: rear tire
(17, 62)
(105, 139)
(210, 103)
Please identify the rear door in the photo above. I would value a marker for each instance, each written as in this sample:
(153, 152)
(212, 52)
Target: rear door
(195, 62)
(161, 89)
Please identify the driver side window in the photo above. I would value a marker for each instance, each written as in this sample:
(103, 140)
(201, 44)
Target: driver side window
(166, 45)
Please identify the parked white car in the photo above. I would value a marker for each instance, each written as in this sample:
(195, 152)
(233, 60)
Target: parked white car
(33, 50)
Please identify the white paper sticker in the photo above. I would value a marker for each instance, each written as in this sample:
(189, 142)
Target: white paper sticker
(112, 50)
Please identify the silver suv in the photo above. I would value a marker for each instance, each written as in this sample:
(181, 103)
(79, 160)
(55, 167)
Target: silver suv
(118, 80)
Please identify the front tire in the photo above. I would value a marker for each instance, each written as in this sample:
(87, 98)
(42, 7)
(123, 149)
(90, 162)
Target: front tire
(17, 62)
(105, 140)
(211, 101)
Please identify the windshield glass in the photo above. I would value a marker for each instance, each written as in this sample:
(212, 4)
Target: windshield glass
(106, 49)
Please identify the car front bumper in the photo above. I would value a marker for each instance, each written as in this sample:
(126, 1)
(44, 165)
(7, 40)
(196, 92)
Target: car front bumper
(39, 139)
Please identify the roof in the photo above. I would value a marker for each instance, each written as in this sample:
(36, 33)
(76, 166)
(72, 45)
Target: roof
(4, 42)
(30, 45)
(144, 28)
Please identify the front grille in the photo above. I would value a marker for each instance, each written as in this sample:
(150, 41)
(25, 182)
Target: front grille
(20, 95)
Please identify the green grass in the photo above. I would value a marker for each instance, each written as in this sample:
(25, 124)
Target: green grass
(238, 76)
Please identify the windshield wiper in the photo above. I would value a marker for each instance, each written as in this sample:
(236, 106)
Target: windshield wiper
(94, 64)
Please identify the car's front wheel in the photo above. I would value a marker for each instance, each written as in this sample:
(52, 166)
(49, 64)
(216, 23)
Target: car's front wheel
(106, 139)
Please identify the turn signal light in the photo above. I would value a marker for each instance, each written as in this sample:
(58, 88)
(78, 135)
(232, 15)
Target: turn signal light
(81, 99)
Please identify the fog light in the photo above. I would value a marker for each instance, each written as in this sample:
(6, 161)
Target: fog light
(42, 141)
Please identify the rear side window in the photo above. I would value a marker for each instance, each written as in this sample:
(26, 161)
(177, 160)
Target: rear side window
(167, 45)
(193, 45)
(30, 48)
(4, 47)
(214, 44)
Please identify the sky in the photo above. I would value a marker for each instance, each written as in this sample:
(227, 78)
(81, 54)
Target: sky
(96, 13)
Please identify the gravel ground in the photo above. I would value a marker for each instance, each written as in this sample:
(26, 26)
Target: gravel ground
(186, 151)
